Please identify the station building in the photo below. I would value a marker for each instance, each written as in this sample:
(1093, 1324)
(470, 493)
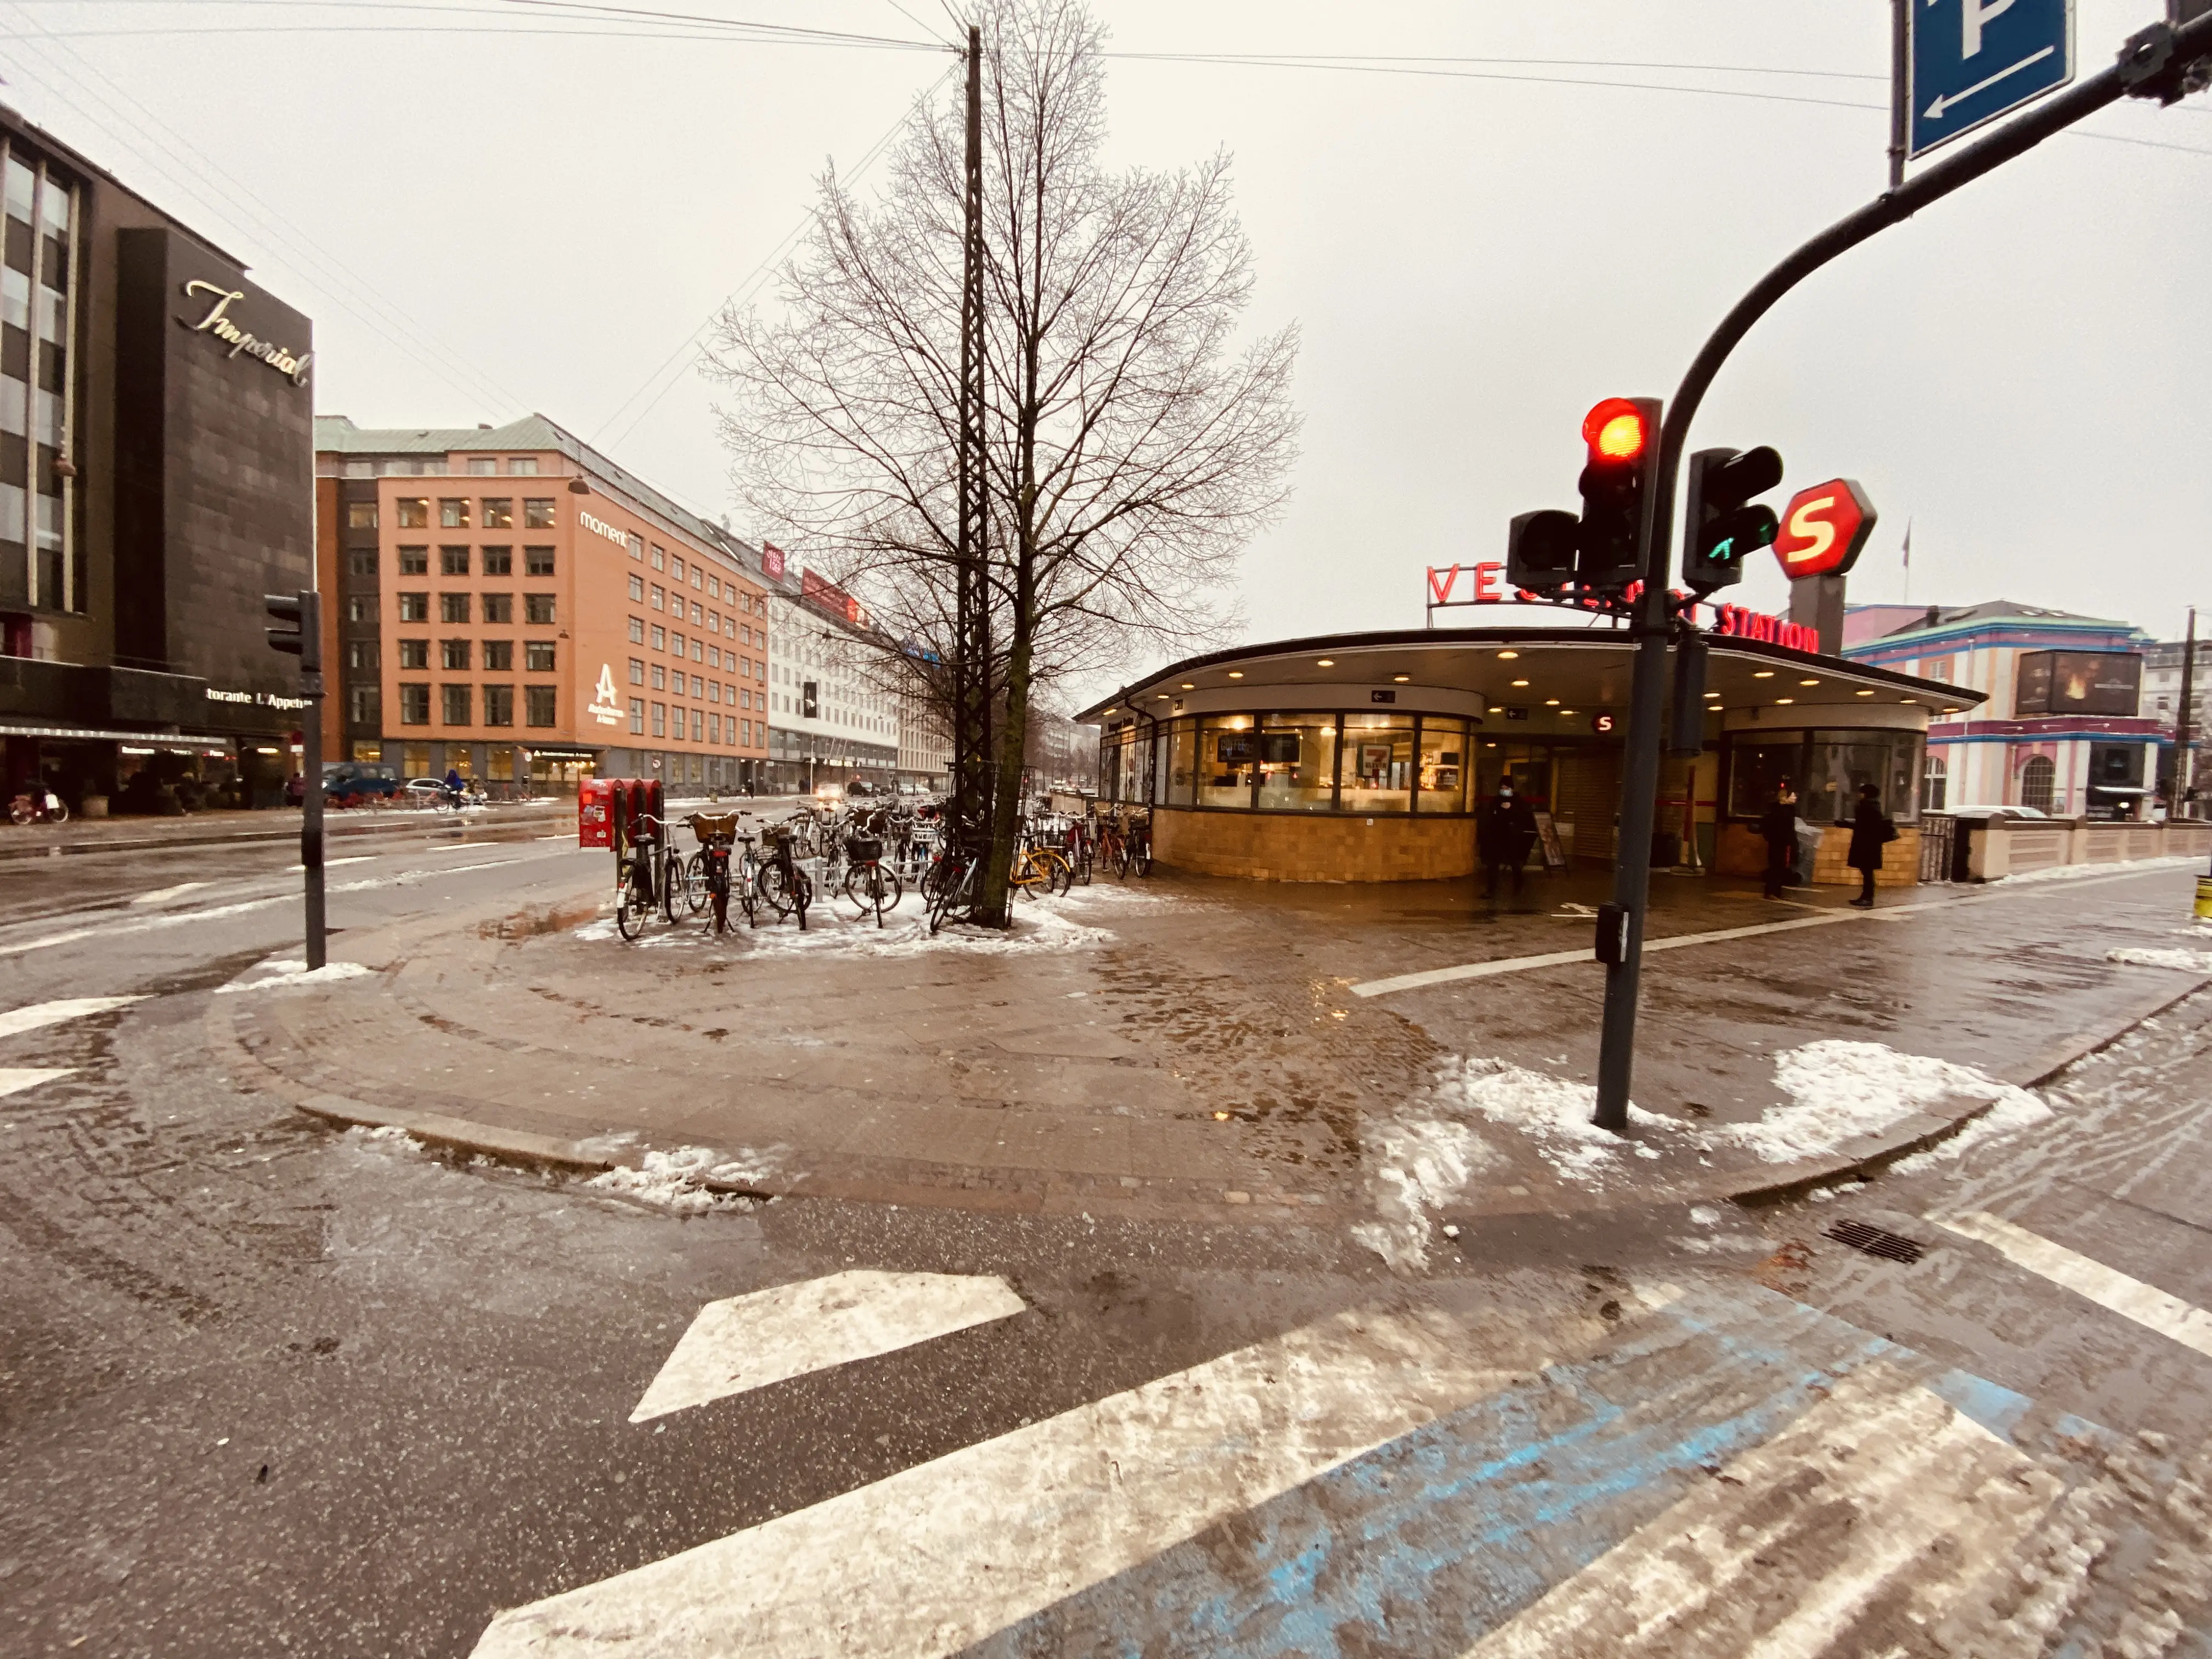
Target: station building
(508, 602)
(1365, 756)
(156, 479)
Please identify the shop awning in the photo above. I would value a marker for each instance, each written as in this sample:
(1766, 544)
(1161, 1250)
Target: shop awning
(154, 739)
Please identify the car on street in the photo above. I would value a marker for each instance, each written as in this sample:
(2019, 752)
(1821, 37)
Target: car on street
(353, 783)
(829, 791)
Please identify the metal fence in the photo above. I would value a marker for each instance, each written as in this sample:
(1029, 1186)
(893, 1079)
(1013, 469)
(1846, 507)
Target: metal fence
(1939, 833)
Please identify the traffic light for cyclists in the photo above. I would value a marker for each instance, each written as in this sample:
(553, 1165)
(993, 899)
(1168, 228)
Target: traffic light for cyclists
(1540, 550)
(1623, 437)
(1724, 526)
(299, 632)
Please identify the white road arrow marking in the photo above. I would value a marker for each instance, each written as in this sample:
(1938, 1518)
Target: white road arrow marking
(941, 1555)
(19, 1020)
(1951, 101)
(750, 1341)
(14, 1079)
(1929, 1500)
(160, 895)
(2130, 1299)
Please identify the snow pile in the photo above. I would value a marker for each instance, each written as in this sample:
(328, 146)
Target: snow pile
(1420, 1165)
(1555, 1115)
(2189, 961)
(389, 1139)
(832, 927)
(278, 974)
(1840, 1089)
(2076, 871)
(677, 1181)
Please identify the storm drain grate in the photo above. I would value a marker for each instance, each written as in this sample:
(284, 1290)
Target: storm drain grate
(1877, 1241)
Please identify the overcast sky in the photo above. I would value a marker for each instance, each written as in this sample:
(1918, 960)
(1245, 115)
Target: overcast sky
(484, 221)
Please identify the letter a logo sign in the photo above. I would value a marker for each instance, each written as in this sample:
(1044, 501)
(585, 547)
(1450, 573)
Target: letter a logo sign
(605, 709)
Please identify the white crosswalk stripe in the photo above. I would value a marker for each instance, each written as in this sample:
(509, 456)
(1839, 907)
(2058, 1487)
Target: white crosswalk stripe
(1922, 1501)
(948, 1552)
(17, 1021)
(770, 1336)
(2146, 1304)
(14, 1079)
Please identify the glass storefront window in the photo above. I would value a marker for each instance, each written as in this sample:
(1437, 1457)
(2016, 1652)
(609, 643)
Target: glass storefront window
(1131, 784)
(1826, 770)
(1298, 763)
(1182, 774)
(1378, 763)
(1757, 767)
(1228, 760)
(1442, 781)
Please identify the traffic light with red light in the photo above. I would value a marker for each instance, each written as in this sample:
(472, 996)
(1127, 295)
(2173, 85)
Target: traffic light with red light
(1724, 526)
(1623, 437)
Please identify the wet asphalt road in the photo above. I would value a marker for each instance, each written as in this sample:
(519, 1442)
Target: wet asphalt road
(265, 1388)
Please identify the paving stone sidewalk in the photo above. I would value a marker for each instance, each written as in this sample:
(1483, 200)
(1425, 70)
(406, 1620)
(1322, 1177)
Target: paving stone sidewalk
(1196, 1048)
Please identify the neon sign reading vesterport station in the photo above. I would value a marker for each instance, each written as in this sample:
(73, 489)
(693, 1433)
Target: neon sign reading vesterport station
(1486, 585)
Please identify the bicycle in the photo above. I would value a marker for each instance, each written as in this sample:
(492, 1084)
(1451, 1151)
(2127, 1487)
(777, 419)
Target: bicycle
(782, 884)
(706, 873)
(955, 887)
(869, 882)
(640, 878)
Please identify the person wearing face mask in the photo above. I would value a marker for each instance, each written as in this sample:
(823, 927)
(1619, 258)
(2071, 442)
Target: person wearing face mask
(1503, 836)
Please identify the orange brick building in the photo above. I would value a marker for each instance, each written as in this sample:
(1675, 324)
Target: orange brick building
(508, 602)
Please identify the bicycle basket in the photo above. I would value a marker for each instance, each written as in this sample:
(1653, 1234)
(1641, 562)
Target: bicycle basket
(864, 849)
(713, 826)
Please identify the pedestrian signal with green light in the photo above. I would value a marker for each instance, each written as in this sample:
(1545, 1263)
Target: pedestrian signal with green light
(1725, 525)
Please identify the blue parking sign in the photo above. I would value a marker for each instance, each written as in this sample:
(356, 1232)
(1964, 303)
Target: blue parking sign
(1973, 60)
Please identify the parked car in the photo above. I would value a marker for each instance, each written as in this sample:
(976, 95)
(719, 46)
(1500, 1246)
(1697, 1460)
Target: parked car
(860, 789)
(828, 790)
(2021, 813)
(352, 783)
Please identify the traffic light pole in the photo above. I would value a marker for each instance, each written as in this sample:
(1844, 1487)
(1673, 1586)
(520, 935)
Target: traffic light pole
(2149, 65)
(311, 778)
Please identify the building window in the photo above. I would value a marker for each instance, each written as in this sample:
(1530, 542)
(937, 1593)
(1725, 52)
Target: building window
(637, 671)
(2037, 778)
(698, 650)
(698, 726)
(454, 656)
(637, 630)
(453, 560)
(698, 686)
(499, 656)
(537, 513)
(414, 607)
(453, 607)
(361, 515)
(499, 704)
(660, 678)
(453, 512)
(659, 558)
(713, 690)
(456, 701)
(1934, 784)
(360, 608)
(660, 637)
(637, 715)
(414, 512)
(498, 609)
(661, 720)
(539, 701)
(414, 705)
(676, 569)
(659, 598)
(499, 562)
(362, 562)
(636, 589)
(538, 657)
(522, 466)
(414, 561)
(365, 705)
(499, 513)
(676, 643)
(537, 561)
(483, 467)
(360, 653)
(714, 728)
(538, 610)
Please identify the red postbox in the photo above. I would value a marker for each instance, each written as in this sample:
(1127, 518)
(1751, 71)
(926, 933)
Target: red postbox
(595, 813)
(656, 802)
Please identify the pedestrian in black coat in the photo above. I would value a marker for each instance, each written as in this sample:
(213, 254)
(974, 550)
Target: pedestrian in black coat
(1503, 836)
(1778, 825)
(1870, 832)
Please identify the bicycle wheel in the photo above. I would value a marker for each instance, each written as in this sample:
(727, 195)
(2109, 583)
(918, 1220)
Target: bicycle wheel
(942, 904)
(873, 887)
(629, 915)
(1058, 874)
(694, 882)
(718, 907)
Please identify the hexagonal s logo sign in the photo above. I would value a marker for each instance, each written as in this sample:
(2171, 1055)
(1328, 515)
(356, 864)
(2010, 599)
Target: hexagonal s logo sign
(605, 708)
(1823, 529)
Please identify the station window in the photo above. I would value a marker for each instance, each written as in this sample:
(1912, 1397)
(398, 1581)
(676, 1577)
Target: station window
(538, 708)
(453, 560)
(537, 513)
(499, 656)
(498, 704)
(414, 705)
(414, 561)
(499, 562)
(538, 657)
(499, 513)
(498, 609)
(453, 512)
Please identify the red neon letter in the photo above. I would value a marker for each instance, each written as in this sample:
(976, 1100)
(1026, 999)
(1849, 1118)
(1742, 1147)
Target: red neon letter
(1486, 583)
(1441, 591)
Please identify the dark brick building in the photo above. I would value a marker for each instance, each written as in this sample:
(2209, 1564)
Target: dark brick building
(156, 479)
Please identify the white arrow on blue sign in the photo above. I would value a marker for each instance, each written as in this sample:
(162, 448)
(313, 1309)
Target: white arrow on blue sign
(1973, 60)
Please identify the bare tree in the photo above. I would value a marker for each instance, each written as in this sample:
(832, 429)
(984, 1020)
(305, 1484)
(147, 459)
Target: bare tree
(1132, 449)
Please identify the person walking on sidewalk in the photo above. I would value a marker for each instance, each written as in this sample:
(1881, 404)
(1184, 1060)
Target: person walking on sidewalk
(1503, 837)
(1778, 825)
(1870, 832)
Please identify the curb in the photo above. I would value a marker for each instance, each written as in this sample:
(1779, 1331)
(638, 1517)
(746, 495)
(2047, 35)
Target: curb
(1922, 1130)
(396, 824)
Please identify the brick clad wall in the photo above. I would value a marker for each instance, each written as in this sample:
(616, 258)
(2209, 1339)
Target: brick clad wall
(1283, 846)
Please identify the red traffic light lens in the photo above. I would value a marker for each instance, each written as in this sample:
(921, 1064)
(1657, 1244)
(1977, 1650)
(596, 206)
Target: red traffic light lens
(1615, 431)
